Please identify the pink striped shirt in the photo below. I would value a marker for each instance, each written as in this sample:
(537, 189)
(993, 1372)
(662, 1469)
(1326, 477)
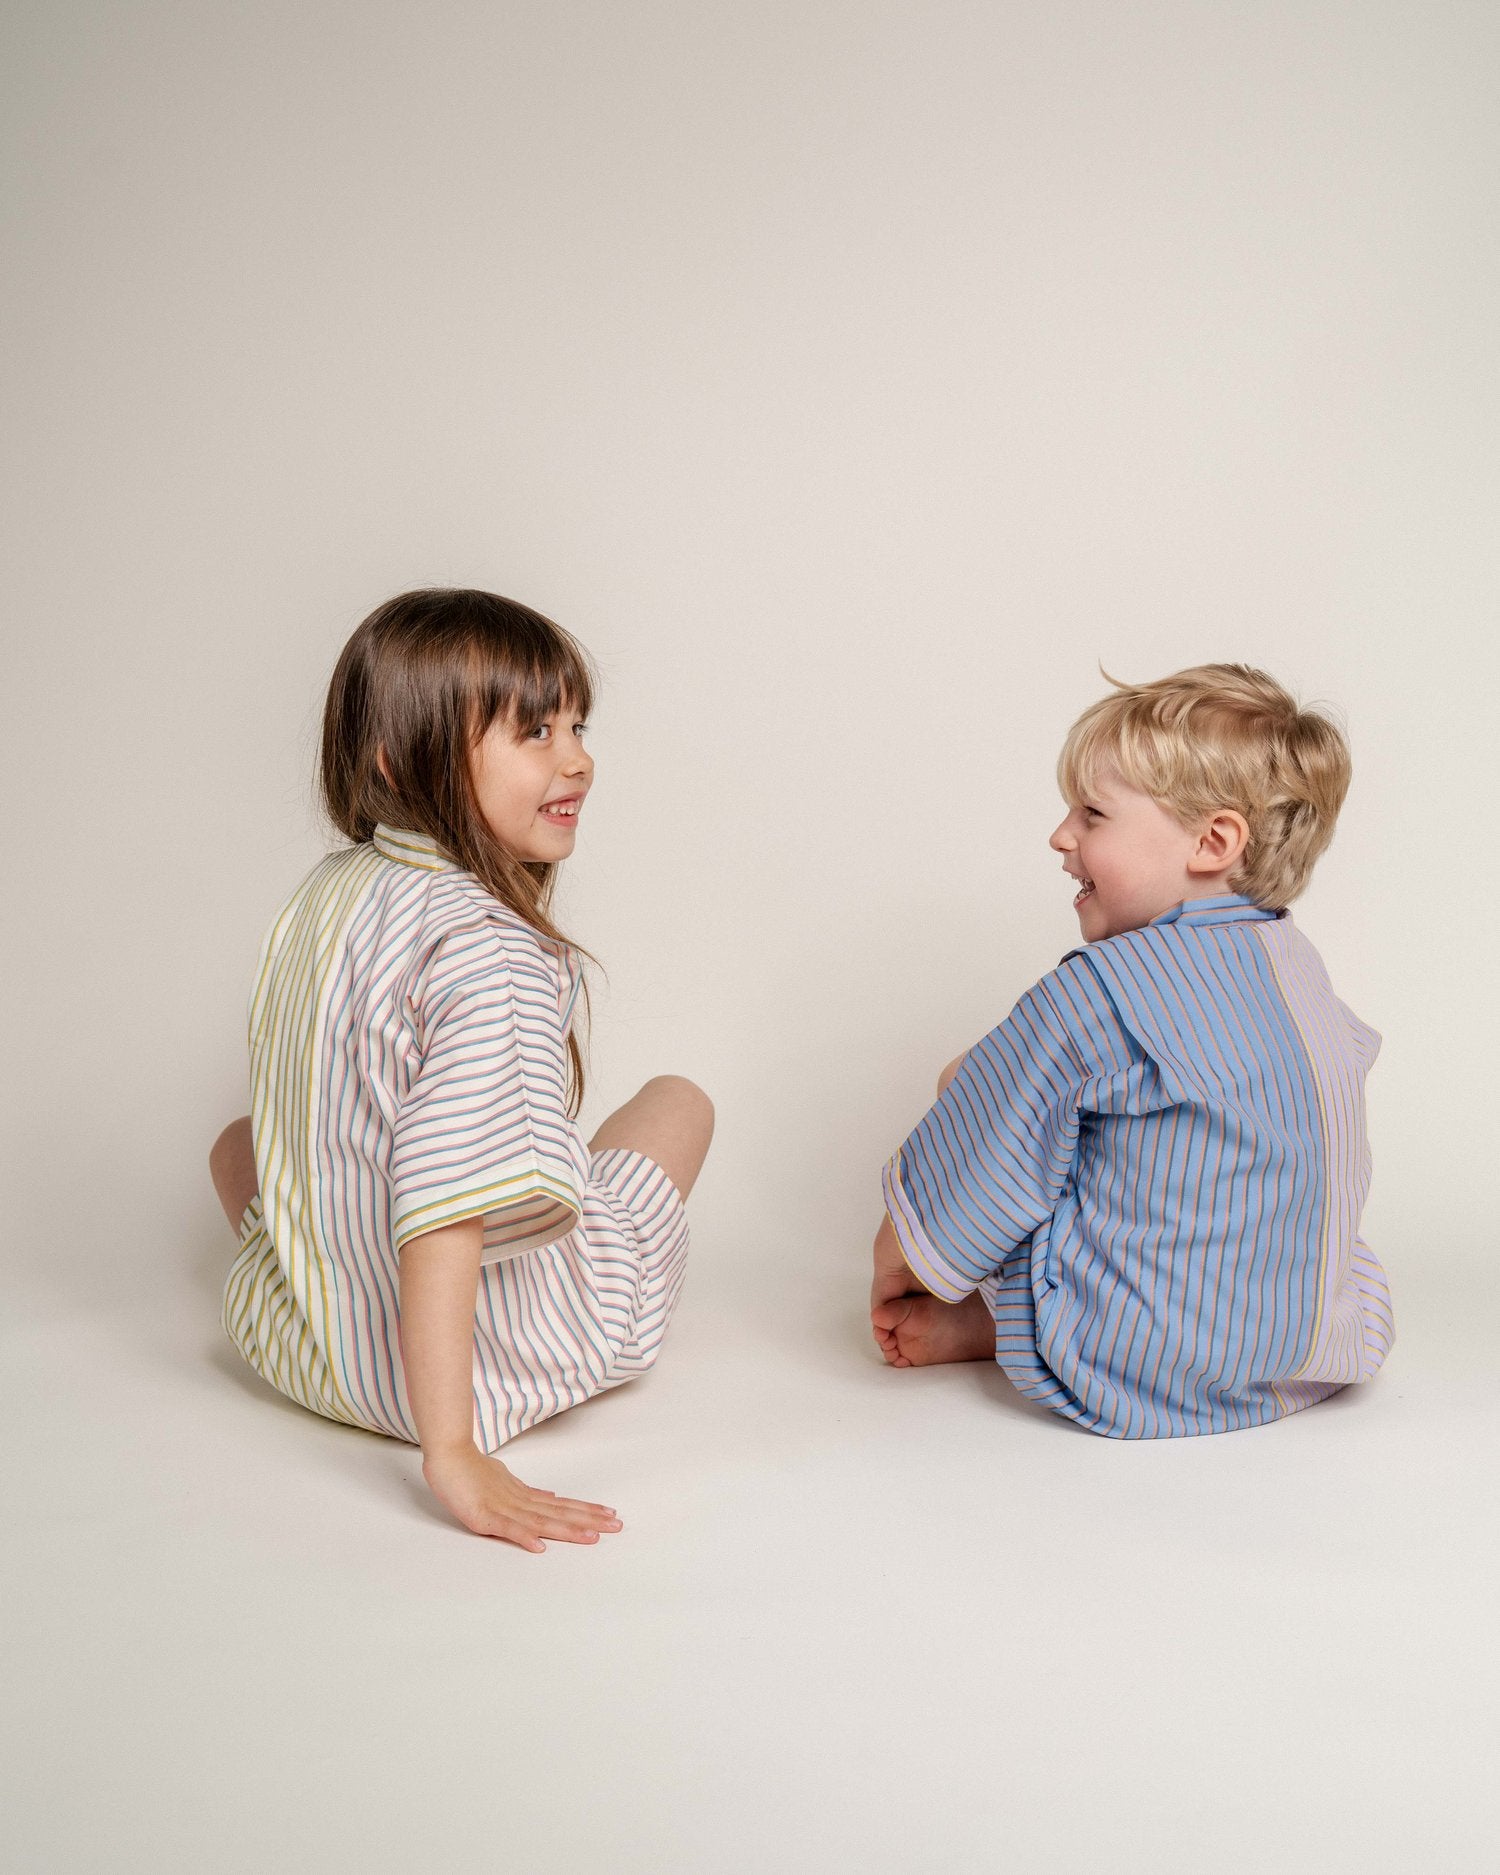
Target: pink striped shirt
(408, 1070)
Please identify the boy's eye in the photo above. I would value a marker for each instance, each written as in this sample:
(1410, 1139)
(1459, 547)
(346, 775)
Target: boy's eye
(1093, 813)
(542, 732)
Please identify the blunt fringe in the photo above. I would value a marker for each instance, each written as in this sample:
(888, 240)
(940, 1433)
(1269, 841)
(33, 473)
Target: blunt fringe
(420, 682)
(1222, 736)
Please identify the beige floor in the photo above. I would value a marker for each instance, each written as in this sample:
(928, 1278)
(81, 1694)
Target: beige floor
(857, 1620)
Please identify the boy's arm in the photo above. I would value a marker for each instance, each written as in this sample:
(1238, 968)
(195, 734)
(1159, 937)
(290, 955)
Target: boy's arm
(439, 1277)
(986, 1164)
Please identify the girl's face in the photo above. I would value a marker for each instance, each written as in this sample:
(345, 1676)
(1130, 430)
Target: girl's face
(1133, 859)
(530, 788)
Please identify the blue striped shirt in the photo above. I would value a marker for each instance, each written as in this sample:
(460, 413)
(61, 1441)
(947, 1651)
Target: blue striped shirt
(1153, 1172)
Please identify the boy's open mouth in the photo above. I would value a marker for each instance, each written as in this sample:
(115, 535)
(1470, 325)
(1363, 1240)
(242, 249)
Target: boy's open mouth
(1086, 887)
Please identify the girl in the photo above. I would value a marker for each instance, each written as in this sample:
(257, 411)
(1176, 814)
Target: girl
(428, 1249)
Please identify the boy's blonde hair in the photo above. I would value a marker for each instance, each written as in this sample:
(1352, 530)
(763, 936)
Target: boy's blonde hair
(1217, 736)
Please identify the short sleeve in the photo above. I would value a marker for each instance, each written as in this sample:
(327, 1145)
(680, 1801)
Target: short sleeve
(986, 1166)
(483, 1128)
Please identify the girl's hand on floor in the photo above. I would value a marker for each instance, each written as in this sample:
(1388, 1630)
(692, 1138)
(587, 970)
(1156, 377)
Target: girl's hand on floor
(487, 1498)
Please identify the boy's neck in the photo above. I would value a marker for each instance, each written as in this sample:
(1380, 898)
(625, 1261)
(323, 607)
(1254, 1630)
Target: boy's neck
(1195, 888)
(1215, 886)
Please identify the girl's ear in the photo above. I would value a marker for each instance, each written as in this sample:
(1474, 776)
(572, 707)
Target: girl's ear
(383, 765)
(1221, 843)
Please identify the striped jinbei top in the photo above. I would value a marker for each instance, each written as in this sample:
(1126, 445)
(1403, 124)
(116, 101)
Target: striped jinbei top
(1153, 1172)
(408, 1070)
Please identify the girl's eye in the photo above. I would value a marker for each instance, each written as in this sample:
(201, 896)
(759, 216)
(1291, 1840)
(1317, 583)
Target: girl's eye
(580, 729)
(542, 732)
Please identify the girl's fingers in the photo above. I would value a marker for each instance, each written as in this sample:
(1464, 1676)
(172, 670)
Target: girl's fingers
(557, 1521)
(564, 1518)
(571, 1505)
(526, 1532)
(538, 1527)
(576, 1507)
(515, 1512)
(507, 1530)
(564, 1533)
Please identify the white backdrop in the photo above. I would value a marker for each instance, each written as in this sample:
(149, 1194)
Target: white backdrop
(853, 379)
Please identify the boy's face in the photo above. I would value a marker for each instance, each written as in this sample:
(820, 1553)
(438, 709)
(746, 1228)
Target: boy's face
(1132, 858)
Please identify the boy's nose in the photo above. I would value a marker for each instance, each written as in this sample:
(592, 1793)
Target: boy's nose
(1062, 840)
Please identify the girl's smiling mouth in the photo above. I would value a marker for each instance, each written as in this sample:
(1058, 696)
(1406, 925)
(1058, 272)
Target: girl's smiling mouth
(564, 810)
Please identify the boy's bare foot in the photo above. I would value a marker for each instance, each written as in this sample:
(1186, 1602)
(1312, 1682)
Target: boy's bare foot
(920, 1331)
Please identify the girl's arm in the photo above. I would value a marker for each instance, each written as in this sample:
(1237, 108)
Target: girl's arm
(439, 1287)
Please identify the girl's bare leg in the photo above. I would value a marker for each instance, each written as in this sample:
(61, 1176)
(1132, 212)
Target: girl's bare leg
(231, 1165)
(670, 1120)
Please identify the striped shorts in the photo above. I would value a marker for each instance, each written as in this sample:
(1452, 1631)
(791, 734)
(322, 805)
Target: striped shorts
(552, 1326)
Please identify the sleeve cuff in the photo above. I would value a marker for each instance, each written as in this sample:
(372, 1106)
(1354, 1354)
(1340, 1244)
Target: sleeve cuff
(524, 1205)
(926, 1262)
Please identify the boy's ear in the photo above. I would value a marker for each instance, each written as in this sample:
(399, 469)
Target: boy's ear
(1221, 843)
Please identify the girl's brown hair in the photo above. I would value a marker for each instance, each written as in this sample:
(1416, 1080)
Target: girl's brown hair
(1215, 736)
(413, 692)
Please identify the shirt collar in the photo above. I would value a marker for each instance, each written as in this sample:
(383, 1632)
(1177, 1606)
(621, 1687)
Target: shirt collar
(1226, 908)
(415, 849)
(411, 849)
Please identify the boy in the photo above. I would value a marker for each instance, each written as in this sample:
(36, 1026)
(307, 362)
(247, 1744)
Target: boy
(1141, 1192)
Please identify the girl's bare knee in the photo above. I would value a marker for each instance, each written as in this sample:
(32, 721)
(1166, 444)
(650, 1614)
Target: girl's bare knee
(229, 1149)
(671, 1120)
(691, 1106)
(231, 1165)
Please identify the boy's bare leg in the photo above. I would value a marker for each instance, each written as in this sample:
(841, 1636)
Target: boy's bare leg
(948, 1073)
(912, 1327)
(231, 1164)
(920, 1331)
(670, 1120)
